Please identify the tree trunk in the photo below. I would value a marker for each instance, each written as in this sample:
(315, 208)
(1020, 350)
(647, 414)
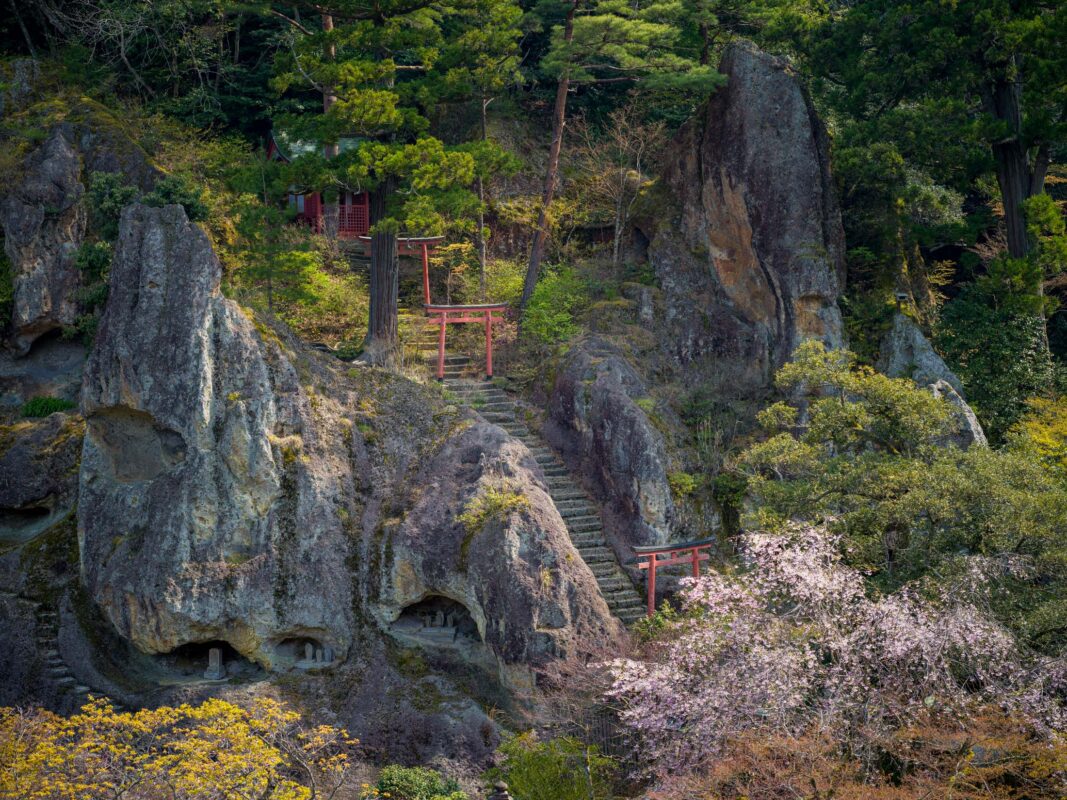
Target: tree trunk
(382, 343)
(481, 211)
(1013, 164)
(559, 121)
(330, 207)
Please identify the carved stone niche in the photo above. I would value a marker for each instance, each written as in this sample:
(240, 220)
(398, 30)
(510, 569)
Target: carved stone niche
(303, 653)
(195, 662)
(437, 620)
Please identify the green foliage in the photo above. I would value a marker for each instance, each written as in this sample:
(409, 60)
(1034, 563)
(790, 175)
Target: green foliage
(663, 618)
(870, 461)
(1043, 431)
(557, 769)
(491, 503)
(177, 190)
(550, 314)
(93, 260)
(109, 193)
(416, 783)
(44, 406)
(995, 342)
(683, 484)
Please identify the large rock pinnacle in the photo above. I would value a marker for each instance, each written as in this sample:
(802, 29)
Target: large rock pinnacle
(752, 261)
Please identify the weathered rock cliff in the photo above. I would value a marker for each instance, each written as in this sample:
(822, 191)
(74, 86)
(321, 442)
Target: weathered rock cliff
(237, 489)
(44, 218)
(752, 259)
(44, 222)
(907, 353)
(596, 422)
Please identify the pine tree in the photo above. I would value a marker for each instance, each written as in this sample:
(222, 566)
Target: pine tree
(377, 62)
(603, 42)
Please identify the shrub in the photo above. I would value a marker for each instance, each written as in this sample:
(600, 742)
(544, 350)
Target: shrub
(999, 353)
(683, 484)
(108, 195)
(415, 783)
(216, 749)
(174, 190)
(93, 260)
(549, 317)
(44, 406)
(559, 769)
(491, 503)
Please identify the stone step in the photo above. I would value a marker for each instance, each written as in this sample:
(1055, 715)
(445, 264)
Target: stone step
(604, 569)
(497, 416)
(625, 601)
(612, 584)
(554, 471)
(66, 681)
(590, 539)
(629, 616)
(576, 512)
(575, 505)
(592, 555)
(59, 670)
(561, 494)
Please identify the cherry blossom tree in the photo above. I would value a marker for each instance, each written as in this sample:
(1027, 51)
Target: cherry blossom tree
(792, 643)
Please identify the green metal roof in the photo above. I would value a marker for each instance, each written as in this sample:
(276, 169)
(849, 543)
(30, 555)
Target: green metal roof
(289, 147)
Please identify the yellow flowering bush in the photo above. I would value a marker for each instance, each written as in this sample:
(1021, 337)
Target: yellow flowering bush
(214, 751)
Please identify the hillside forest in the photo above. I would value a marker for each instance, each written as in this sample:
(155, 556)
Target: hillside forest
(784, 279)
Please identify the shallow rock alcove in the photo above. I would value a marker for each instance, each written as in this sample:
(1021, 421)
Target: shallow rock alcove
(193, 662)
(437, 620)
(303, 652)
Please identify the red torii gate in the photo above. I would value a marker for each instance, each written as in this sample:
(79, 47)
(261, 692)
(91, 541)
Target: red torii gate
(445, 315)
(696, 552)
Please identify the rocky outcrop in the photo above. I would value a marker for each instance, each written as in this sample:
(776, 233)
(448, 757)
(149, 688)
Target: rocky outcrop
(44, 216)
(209, 502)
(44, 223)
(514, 574)
(906, 353)
(38, 474)
(52, 368)
(237, 489)
(597, 422)
(752, 259)
(968, 430)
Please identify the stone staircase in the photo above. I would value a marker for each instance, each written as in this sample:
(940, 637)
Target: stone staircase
(578, 511)
(57, 670)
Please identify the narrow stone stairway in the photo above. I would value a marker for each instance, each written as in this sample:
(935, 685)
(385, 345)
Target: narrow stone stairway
(56, 669)
(578, 511)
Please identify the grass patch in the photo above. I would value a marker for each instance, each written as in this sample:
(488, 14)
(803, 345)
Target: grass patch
(45, 406)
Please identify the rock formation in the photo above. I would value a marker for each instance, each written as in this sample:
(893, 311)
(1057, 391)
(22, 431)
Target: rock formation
(751, 260)
(44, 222)
(526, 588)
(906, 353)
(237, 489)
(38, 474)
(44, 217)
(209, 502)
(596, 422)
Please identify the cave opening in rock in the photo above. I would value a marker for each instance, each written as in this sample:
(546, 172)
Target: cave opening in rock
(212, 660)
(20, 524)
(438, 620)
(303, 652)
